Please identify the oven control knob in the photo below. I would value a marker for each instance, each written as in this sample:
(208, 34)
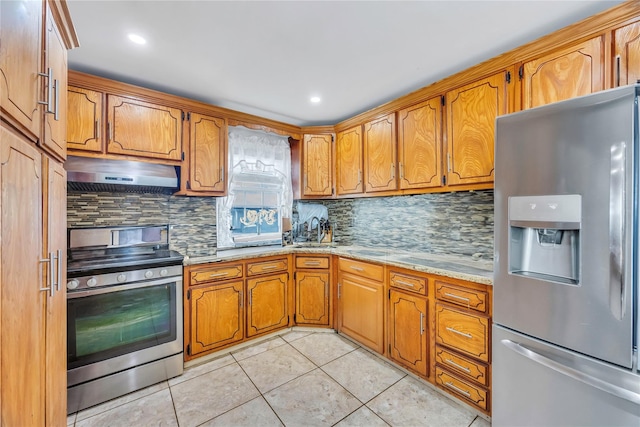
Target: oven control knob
(121, 277)
(92, 282)
(164, 272)
(148, 274)
(72, 284)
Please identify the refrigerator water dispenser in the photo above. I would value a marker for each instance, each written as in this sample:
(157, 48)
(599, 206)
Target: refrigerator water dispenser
(544, 237)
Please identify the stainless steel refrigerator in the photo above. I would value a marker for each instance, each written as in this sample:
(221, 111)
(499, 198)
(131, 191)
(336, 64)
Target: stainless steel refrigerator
(566, 327)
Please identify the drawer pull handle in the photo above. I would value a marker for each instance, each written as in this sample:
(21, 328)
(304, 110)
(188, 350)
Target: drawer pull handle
(353, 267)
(458, 389)
(224, 273)
(463, 368)
(312, 263)
(269, 267)
(464, 334)
(400, 282)
(454, 296)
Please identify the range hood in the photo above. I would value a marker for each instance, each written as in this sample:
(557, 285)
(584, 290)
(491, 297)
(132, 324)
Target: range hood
(92, 174)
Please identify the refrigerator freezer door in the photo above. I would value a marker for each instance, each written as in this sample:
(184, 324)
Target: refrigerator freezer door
(536, 384)
(584, 147)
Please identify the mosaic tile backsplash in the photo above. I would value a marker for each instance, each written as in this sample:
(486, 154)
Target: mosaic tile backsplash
(451, 223)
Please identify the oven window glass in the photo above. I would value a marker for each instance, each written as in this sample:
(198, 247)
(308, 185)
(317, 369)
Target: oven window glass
(108, 325)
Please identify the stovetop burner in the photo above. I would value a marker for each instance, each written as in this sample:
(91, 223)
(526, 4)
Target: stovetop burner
(102, 250)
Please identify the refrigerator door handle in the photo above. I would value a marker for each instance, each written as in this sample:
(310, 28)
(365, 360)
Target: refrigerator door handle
(589, 380)
(617, 193)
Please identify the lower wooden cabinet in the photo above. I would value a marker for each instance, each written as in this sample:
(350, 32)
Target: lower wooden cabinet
(408, 331)
(469, 392)
(223, 306)
(217, 316)
(267, 304)
(361, 303)
(312, 297)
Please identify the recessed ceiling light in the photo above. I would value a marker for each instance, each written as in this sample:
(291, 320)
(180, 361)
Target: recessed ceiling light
(315, 99)
(137, 39)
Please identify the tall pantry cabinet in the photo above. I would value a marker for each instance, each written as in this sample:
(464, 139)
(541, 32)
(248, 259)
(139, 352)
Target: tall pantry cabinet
(33, 86)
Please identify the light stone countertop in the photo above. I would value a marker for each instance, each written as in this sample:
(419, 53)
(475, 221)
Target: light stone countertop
(453, 265)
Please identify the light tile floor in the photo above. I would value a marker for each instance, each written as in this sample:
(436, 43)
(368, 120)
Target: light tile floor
(300, 378)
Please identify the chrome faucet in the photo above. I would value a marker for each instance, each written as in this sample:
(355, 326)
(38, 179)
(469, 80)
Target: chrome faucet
(320, 233)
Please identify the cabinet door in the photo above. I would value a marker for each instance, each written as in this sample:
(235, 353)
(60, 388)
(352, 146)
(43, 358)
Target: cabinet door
(408, 331)
(22, 303)
(55, 121)
(207, 157)
(563, 74)
(84, 112)
(267, 306)
(420, 145)
(317, 166)
(20, 63)
(349, 161)
(217, 316)
(55, 224)
(471, 116)
(380, 154)
(312, 297)
(360, 310)
(627, 54)
(137, 128)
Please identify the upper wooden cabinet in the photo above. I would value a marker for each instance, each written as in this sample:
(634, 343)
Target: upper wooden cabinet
(84, 116)
(349, 161)
(380, 154)
(20, 64)
(143, 129)
(627, 54)
(317, 167)
(207, 155)
(420, 145)
(471, 116)
(566, 73)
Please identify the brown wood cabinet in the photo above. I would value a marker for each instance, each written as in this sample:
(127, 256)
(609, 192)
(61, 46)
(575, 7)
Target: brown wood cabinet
(84, 119)
(217, 315)
(207, 155)
(380, 154)
(317, 165)
(463, 341)
(361, 292)
(566, 73)
(471, 113)
(409, 331)
(227, 303)
(420, 145)
(267, 307)
(349, 161)
(35, 37)
(312, 280)
(143, 129)
(626, 54)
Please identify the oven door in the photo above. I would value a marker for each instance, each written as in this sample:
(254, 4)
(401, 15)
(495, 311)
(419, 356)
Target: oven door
(120, 327)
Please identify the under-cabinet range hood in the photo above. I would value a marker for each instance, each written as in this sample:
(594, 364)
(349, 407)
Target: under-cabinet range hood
(92, 174)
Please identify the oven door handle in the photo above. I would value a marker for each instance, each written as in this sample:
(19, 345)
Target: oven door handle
(109, 289)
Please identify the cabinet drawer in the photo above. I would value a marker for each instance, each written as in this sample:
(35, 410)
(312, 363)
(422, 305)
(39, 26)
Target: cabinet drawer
(271, 266)
(465, 297)
(312, 262)
(463, 366)
(221, 272)
(467, 391)
(466, 333)
(364, 269)
(409, 283)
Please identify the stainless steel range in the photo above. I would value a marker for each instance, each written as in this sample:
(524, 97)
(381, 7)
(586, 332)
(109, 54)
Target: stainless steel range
(124, 312)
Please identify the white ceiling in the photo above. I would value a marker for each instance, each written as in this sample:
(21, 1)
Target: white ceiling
(269, 57)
